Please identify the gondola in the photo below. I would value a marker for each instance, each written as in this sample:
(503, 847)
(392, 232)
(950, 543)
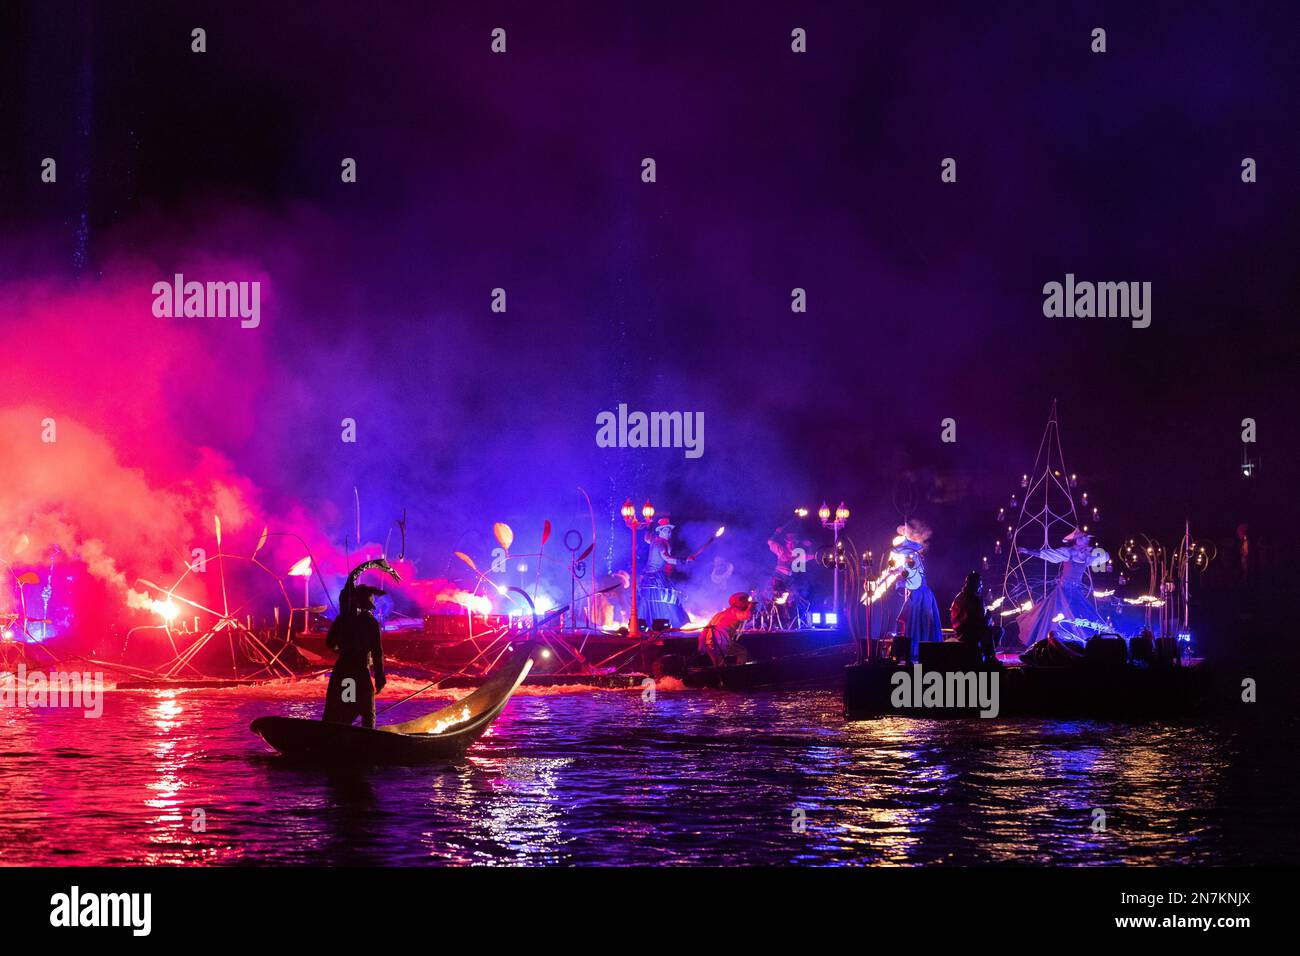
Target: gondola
(434, 738)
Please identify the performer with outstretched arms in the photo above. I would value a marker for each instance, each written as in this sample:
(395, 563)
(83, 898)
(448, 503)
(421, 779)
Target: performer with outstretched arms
(782, 544)
(659, 599)
(785, 544)
(1068, 599)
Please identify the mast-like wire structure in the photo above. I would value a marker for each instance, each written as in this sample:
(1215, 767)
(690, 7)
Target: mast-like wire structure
(1047, 514)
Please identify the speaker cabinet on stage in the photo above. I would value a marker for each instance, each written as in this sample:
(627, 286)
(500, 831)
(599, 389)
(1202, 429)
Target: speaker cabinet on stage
(1105, 649)
(1167, 650)
(949, 656)
(1141, 649)
(893, 646)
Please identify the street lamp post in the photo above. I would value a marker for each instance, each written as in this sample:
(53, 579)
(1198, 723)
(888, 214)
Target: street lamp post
(841, 519)
(629, 518)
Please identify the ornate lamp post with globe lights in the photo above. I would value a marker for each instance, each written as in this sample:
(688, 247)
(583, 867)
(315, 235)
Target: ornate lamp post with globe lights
(841, 519)
(629, 518)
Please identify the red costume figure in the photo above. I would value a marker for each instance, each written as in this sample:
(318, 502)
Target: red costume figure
(720, 637)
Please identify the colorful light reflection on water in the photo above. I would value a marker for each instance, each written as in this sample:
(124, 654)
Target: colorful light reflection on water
(605, 778)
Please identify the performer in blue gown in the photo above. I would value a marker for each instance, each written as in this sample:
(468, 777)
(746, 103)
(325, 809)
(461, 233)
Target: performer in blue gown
(919, 619)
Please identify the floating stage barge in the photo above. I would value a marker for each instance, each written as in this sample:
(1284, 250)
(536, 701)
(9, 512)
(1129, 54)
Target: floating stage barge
(1092, 689)
(464, 653)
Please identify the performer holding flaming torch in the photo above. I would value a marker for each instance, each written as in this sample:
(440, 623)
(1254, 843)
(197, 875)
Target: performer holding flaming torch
(919, 618)
(659, 599)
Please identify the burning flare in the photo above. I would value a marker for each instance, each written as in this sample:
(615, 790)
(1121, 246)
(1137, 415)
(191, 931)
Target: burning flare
(167, 609)
(440, 725)
(475, 603)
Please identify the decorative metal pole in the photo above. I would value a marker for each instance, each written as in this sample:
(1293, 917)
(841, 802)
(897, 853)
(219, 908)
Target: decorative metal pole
(629, 518)
(841, 519)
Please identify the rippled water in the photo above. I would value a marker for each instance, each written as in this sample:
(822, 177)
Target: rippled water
(602, 777)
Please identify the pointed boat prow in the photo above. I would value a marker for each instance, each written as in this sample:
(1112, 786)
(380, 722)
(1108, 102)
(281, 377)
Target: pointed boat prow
(442, 735)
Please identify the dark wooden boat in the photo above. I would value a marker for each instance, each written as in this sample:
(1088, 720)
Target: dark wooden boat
(434, 738)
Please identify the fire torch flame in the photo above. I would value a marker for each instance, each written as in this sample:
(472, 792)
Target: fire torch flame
(440, 725)
(475, 603)
(167, 610)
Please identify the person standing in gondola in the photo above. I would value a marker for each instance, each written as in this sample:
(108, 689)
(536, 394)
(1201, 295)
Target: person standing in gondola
(659, 598)
(356, 636)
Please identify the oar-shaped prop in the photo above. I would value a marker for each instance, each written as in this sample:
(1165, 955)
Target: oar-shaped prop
(504, 535)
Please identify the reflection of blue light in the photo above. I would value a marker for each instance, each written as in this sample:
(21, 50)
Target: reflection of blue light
(832, 618)
(816, 617)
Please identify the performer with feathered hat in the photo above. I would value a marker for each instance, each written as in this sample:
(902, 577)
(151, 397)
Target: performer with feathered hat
(659, 599)
(355, 635)
(919, 618)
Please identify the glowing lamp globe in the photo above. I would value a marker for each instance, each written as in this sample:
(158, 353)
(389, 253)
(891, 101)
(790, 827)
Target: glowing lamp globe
(627, 510)
(841, 513)
(824, 512)
(647, 511)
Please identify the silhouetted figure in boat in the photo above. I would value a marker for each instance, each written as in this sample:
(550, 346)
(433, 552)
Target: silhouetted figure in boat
(971, 621)
(355, 635)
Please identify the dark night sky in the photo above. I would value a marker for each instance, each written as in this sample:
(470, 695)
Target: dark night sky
(775, 170)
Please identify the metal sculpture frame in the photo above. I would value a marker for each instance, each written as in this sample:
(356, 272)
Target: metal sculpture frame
(1047, 514)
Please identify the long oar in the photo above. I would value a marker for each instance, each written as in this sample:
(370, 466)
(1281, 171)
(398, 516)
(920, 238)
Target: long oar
(433, 684)
(429, 686)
